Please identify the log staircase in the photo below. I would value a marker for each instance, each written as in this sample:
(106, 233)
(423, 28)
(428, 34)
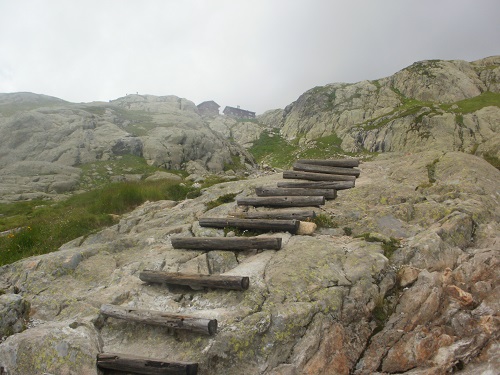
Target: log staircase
(319, 181)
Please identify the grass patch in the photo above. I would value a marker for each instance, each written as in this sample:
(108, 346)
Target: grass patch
(368, 238)
(412, 107)
(384, 307)
(274, 150)
(323, 148)
(431, 171)
(409, 107)
(226, 198)
(215, 179)
(493, 160)
(122, 197)
(43, 227)
(254, 120)
(13, 215)
(324, 221)
(47, 229)
(390, 247)
(381, 312)
(377, 84)
(486, 99)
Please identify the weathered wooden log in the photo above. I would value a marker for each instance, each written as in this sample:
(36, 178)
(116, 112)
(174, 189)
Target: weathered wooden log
(277, 214)
(159, 318)
(141, 365)
(196, 279)
(347, 163)
(326, 169)
(317, 176)
(271, 225)
(273, 192)
(306, 201)
(226, 243)
(337, 185)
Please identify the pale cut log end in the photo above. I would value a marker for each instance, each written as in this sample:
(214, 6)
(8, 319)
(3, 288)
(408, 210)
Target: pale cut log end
(306, 228)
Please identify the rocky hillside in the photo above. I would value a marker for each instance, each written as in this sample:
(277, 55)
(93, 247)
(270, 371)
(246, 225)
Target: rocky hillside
(404, 280)
(44, 141)
(439, 105)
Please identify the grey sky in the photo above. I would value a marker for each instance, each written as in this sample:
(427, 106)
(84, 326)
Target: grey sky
(259, 54)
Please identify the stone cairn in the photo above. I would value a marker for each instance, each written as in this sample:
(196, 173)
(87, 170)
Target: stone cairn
(318, 181)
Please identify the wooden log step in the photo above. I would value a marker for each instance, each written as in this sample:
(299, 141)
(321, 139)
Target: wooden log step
(272, 225)
(347, 163)
(226, 243)
(326, 169)
(127, 363)
(273, 192)
(305, 201)
(317, 176)
(337, 185)
(159, 318)
(196, 279)
(277, 214)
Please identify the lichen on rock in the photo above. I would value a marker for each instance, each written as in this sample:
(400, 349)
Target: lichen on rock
(323, 303)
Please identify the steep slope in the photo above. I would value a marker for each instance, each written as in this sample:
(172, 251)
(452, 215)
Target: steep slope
(439, 105)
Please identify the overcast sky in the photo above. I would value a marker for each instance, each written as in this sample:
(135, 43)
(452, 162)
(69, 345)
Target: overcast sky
(259, 54)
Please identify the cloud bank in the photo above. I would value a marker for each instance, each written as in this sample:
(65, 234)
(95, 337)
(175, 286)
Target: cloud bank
(258, 54)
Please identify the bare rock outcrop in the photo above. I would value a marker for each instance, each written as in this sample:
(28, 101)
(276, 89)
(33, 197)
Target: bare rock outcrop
(14, 312)
(439, 105)
(271, 118)
(439, 81)
(167, 131)
(25, 180)
(245, 133)
(65, 347)
(326, 303)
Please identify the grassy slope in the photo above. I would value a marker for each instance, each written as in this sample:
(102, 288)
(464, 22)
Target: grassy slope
(39, 227)
(276, 151)
(45, 226)
(272, 149)
(486, 99)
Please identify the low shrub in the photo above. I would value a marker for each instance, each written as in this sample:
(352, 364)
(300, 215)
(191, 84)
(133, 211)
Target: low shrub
(390, 247)
(324, 221)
